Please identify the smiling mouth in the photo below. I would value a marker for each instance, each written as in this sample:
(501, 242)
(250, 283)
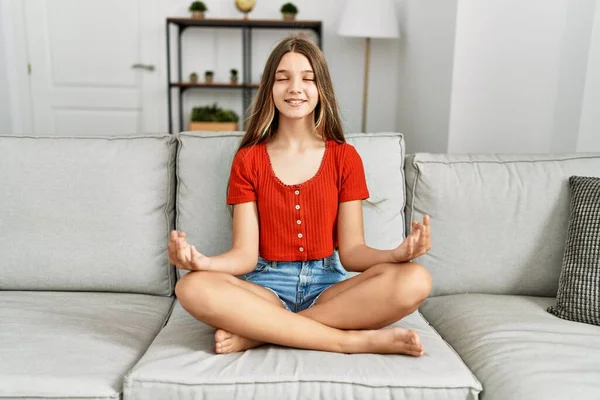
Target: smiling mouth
(295, 102)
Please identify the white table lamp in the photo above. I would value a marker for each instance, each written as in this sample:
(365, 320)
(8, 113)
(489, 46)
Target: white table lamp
(373, 19)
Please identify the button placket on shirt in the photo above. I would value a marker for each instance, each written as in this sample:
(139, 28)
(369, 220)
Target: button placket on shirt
(298, 208)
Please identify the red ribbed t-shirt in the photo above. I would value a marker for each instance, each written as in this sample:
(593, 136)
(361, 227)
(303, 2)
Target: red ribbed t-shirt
(297, 222)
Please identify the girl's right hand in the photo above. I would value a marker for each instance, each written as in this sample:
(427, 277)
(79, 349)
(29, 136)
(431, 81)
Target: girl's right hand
(185, 256)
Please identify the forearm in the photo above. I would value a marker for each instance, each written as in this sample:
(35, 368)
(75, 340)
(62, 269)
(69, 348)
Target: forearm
(360, 257)
(234, 262)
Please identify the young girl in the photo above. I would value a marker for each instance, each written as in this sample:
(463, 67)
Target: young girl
(297, 188)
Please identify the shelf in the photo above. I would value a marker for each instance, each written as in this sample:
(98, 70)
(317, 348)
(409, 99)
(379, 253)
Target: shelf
(247, 26)
(244, 23)
(216, 85)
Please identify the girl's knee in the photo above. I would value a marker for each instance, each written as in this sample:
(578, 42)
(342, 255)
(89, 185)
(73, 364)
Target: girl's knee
(199, 283)
(414, 284)
(422, 280)
(184, 287)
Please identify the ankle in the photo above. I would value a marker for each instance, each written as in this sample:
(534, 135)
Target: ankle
(353, 342)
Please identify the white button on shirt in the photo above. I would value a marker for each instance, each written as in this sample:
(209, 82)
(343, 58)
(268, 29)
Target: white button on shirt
(300, 235)
(297, 206)
(298, 222)
(301, 249)
(297, 192)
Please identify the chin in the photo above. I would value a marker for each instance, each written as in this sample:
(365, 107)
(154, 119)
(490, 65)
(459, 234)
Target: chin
(294, 116)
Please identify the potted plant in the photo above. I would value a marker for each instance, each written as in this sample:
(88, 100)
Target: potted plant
(197, 8)
(208, 77)
(194, 77)
(234, 76)
(213, 118)
(289, 11)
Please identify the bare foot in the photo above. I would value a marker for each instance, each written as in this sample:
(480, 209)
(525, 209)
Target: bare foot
(226, 342)
(388, 341)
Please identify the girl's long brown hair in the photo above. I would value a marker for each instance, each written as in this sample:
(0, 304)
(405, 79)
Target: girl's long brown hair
(264, 116)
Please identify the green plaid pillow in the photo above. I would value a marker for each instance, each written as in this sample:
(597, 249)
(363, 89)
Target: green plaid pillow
(578, 297)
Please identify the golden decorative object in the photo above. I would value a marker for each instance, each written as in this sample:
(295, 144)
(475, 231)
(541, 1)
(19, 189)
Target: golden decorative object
(245, 6)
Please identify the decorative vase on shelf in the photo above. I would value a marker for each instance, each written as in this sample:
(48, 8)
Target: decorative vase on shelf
(245, 6)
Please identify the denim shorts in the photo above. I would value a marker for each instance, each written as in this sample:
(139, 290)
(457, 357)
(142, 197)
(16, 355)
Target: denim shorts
(298, 284)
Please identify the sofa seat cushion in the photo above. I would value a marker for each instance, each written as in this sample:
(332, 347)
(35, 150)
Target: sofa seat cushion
(516, 348)
(181, 364)
(74, 345)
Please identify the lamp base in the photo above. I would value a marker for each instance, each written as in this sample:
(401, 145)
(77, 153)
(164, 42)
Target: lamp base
(366, 84)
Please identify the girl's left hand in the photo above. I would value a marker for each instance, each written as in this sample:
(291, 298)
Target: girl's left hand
(417, 243)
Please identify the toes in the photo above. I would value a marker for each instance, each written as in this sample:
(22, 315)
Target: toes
(414, 338)
(224, 346)
(417, 351)
(407, 336)
(221, 335)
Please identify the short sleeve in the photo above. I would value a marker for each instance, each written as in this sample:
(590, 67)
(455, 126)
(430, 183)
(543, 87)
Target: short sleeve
(354, 183)
(241, 184)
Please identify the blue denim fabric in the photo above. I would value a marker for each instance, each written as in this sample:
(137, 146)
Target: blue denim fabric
(298, 284)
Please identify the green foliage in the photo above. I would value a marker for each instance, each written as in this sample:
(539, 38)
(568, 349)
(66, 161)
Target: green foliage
(198, 6)
(234, 72)
(289, 8)
(209, 73)
(213, 114)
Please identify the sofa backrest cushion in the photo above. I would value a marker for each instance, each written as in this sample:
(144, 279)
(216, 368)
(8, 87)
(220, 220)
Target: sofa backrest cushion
(203, 166)
(87, 213)
(499, 222)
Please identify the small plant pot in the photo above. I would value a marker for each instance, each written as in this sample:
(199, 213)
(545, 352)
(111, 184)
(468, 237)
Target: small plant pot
(234, 80)
(289, 17)
(198, 14)
(213, 126)
(193, 78)
(208, 79)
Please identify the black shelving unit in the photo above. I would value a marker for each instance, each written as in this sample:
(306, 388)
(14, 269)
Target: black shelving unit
(246, 27)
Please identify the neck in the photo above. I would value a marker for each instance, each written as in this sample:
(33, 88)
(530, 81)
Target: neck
(296, 132)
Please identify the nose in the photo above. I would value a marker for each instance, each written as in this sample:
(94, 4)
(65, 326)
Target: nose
(294, 86)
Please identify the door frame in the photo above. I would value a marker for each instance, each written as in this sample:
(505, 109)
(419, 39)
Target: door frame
(12, 14)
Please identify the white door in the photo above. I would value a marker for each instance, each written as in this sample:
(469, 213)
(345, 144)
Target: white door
(93, 66)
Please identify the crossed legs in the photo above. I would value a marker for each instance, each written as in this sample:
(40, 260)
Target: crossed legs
(347, 317)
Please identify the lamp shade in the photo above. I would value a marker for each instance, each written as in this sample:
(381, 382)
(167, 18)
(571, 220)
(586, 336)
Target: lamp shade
(372, 19)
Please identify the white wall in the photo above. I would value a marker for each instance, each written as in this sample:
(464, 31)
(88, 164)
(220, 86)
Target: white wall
(5, 114)
(519, 75)
(425, 73)
(589, 129)
(571, 83)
